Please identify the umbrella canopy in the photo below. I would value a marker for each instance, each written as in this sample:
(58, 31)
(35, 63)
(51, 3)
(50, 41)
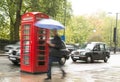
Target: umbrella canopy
(49, 24)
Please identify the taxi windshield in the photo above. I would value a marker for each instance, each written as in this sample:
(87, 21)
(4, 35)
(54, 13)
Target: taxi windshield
(89, 46)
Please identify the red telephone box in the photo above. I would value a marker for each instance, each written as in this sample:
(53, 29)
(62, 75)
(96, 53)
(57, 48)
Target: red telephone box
(34, 50)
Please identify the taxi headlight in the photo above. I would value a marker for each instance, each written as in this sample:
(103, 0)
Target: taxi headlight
(82, 53)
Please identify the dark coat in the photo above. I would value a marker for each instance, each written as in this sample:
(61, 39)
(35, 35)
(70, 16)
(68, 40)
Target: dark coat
(55, 51)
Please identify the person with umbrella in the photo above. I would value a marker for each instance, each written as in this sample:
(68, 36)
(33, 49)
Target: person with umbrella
(55, 44)
(54, 55)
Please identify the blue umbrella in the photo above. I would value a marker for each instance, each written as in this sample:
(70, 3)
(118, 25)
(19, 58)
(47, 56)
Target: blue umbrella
(49, 24)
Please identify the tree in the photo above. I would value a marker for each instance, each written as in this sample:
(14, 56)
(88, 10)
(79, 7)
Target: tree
(77, 30)
(55, 9)
(13, 9)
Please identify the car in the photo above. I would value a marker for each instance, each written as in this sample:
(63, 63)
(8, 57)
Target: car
(92, 51)
(14, 57)
(65, 54)
(11, 47)
(71, 47)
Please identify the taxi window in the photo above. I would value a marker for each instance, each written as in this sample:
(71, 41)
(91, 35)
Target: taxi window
(102, 47)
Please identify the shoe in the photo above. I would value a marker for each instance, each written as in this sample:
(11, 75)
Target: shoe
(48, 78)
(63, 75)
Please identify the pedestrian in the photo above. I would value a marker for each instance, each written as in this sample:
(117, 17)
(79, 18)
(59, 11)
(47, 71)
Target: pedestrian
(55, 45)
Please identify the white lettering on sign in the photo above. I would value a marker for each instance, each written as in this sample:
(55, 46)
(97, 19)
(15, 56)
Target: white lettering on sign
(38, 18)
(27, 18)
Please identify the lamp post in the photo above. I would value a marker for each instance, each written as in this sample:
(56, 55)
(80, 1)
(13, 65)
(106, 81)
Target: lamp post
(65, 12)
(65, 1)
(115, 38)
(115, 33)
(110, 36)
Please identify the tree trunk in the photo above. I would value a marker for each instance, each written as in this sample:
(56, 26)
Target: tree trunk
(17, 21)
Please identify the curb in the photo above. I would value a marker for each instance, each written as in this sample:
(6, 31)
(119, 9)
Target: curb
(3, 54)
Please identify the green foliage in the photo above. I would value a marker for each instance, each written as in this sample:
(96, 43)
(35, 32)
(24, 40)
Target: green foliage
(77, 30)
(11, 10)
(98, 27)
(56, 9)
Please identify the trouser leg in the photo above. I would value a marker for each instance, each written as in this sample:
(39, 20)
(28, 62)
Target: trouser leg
(49, 67)
(62, 70)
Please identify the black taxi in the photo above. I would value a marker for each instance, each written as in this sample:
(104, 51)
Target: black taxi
(92, 51)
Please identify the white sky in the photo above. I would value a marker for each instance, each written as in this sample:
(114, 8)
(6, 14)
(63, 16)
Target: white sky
(81, 7)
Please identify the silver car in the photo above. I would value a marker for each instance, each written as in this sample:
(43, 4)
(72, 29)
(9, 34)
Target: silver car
(11, 47)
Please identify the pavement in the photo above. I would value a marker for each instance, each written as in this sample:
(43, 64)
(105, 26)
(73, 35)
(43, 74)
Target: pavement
(112, 53)
(2, 53)
(26, 77)
(104, 75)
(56, 77)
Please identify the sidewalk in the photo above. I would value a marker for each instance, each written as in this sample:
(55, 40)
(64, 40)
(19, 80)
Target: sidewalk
(112, 53)
(56, 77)
(72, 76)
(98, 75)
(2, 53)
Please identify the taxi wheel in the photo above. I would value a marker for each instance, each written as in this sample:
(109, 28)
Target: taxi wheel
(106, 59)
(15, 63)
(89, 59)
(74, 60)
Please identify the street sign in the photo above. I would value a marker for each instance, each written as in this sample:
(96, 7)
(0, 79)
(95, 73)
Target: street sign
(63, 37)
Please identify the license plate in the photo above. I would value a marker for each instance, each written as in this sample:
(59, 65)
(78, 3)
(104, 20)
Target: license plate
(76, 57)
(12, 58)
